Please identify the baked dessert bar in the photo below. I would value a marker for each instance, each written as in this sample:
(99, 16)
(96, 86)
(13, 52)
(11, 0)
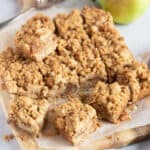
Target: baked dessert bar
(76, 46)
(79, 50)
(65, 22)
(105, 37)
(19, 75)
(75, 120)
(109, 100)
(36, 38)
(99, 53)
(24, 76)
(137, 77)
(28, 114)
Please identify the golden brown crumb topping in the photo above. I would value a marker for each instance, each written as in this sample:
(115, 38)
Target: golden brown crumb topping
(134, 76)
(96, 17)
(28, 114)
(66, 22)
(89, 51)
(80, 56)
(72, 118)
(74, 107)
(109, 100)
(35, 35)
(36, 79)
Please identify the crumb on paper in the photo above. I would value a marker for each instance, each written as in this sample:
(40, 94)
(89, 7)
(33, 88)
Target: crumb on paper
(124, 116)
(8, 137)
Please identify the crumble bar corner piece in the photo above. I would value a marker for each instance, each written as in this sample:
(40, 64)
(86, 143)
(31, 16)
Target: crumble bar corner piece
(71, 119)
(137, 77)
(71, 21)
(28, 114)
(109, 100)
(36, 39)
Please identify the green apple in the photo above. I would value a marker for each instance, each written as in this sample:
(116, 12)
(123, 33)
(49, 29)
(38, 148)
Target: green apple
(125, 11)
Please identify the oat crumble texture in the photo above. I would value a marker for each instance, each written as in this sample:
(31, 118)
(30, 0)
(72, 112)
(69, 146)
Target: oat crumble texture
(109, 100)
(36, 38)
(76, 120)
(28, 114)
(137, 77)
(73, 52)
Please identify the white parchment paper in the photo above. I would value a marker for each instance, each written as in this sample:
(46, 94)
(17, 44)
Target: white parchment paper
(140, 117)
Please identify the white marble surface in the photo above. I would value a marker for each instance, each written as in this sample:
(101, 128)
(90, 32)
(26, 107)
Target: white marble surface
(137, 37)
(8, 8)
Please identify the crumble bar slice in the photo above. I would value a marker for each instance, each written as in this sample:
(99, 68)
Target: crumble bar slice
(71, 26)
(113, 50)
(83, 58)
(20, 75)
(36, 38)
(109, 100)
(105, 37)
(42, 79)
(137, 77)
(75, 120)
(95, 18)
(71, 21)
(28, 114)
(91, 63)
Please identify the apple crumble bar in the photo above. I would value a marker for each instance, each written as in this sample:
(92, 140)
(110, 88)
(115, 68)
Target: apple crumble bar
(137, 77)
(77, 51)
(75, 120)
(109, 100)
(66, 22)
(28, 114)
(95, 19)
(23, 76)
(36, 38)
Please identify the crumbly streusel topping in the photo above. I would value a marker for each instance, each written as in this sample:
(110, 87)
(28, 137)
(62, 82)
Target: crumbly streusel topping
(109, 99)
(34, 35)
(134, 76)
(23, 76)
(89, 48)
(28, 114)
(72, 117)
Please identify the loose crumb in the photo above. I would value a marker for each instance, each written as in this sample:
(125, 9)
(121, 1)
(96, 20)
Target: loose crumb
(124, 116)
(8, 137)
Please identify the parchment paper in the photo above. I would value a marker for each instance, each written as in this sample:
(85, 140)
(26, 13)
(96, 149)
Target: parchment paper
(140, 117)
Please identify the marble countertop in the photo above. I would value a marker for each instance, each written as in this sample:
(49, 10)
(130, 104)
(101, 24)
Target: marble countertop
(137, 36)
